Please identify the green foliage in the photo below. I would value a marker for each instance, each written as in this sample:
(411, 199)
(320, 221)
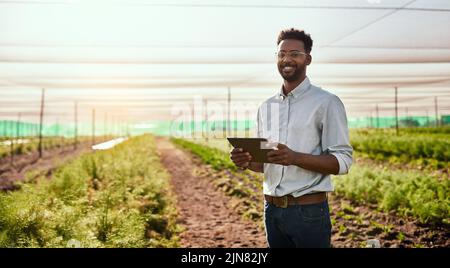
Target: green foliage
(427, 130)
(103, 199)
(400, 236)
(408, 193)
(217, 158)
(412, 144)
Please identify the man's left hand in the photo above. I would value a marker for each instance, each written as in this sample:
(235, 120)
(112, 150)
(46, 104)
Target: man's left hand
(283, 156)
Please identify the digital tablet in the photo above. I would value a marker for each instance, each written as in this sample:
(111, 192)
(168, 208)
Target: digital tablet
(257, 147)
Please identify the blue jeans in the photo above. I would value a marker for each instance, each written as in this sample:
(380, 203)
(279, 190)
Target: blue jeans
(298, 226)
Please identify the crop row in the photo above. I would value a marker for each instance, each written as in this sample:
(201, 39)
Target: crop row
(246, 186)
(406, 147)
(114, 198)
(404, 192)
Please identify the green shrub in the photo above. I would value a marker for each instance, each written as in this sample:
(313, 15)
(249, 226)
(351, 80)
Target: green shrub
(103, 199)
(409, 193)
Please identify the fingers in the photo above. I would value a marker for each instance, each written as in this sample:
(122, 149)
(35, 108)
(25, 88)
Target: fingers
(277, 159)
(244, 158)
(276, 153)
(242, 164)
(281, 146)
(241, 161)
(238, 153)
(278, 156)
(236, 150)
(245, 165)
(240, 158)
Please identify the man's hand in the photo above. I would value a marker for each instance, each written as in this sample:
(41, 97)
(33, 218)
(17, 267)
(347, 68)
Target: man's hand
(283, 156)
(240, 158)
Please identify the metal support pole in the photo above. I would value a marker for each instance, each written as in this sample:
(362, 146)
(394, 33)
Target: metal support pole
(41, 119)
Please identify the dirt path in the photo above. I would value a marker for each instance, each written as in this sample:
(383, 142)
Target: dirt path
(203, 210)
(50, 160)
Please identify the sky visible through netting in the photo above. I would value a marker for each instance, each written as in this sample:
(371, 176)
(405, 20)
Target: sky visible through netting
(130, 65)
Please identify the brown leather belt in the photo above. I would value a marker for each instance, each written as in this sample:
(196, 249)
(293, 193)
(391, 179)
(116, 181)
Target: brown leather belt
(288, 200)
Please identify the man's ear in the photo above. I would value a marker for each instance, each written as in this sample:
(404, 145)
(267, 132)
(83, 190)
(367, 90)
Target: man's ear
(309, 59)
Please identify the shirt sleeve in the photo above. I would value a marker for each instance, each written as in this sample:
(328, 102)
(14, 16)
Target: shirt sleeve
(335, 136)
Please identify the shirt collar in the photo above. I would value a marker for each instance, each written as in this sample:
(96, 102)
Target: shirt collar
(304, 85)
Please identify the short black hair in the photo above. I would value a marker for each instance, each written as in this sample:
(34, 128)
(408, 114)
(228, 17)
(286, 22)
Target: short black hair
(296, 34)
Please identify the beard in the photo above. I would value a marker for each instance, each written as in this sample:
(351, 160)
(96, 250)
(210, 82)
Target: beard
(293, 75)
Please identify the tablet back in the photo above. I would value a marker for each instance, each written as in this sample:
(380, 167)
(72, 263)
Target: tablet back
(253, 146)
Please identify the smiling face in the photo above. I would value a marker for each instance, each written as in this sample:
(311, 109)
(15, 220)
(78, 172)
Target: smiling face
(292, 67)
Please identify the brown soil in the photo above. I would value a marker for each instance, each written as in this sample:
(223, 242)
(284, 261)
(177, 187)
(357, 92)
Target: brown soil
(204, 210)
(51, 159)
(355, 224)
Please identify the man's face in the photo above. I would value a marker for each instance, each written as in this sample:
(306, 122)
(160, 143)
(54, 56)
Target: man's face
(293, 65)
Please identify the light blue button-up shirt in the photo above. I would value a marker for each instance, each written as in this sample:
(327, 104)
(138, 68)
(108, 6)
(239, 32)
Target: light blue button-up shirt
(308, 120)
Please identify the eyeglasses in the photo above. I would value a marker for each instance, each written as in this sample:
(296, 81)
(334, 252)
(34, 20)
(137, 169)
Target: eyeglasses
(293, 54)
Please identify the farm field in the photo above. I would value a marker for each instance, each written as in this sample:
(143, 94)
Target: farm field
(114, 119)
(23, 158)
(404, 204)
(187, 193)
(114, 198)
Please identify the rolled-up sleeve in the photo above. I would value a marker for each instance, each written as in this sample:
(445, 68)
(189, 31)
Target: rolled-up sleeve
(335, 136)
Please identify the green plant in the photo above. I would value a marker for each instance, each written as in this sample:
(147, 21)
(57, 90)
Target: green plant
(383, 144)
(408, 193)
(103, 199)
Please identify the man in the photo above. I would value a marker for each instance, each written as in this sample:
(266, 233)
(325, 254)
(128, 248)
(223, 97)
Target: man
(310, 126)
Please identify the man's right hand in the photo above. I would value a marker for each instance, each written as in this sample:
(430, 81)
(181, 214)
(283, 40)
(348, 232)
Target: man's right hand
(240, 157)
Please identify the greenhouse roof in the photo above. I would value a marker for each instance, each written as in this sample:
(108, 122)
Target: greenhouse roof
(140, 57)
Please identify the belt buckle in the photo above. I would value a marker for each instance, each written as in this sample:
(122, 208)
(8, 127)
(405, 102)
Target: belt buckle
(284, 203)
